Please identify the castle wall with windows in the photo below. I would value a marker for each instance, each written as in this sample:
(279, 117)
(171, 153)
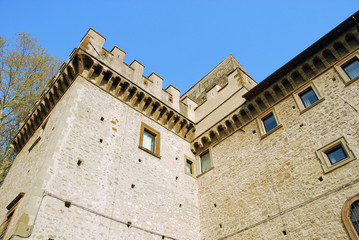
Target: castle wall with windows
(275, 186)
(107, 153)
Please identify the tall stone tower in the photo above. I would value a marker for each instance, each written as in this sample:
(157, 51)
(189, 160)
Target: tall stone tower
(107, 153)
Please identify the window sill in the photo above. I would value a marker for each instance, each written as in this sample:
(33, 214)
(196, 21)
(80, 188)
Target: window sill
(328, 169)
(191, 174)
(149, 151)
(351, 81)
(311, 106)
(271, 131)
(205, 172)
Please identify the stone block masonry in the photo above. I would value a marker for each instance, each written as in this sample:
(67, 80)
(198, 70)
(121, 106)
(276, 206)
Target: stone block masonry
(106, 153)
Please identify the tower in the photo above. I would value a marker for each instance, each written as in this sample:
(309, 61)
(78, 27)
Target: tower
(107, 153)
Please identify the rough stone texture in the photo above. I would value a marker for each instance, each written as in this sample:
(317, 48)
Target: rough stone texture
(218, 76)
(102, 183)
(254, 179)
(259, 187)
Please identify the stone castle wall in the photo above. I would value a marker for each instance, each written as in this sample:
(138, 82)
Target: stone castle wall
(100, 189)
(85, 175)
(264, 186)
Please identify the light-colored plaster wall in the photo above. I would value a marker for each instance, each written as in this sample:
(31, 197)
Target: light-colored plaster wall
(256, 182)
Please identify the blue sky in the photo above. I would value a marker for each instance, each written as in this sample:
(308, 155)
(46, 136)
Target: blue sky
(182, 40)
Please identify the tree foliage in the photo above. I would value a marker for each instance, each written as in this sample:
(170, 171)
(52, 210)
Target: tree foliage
(25, 68)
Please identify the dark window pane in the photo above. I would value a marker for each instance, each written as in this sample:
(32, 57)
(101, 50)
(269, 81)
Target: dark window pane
(308, 97)
(352, 69)
(205, 162)
(354, 215)
(336, 155)
(189, 167)
(269, 122)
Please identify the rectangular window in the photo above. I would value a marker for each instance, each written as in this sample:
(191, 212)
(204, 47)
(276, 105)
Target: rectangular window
(352, 68)
(308, 97)
(189, 166)
(348, 68)
(150, 140)
(269, 122)
(205, 162)
(335, 154)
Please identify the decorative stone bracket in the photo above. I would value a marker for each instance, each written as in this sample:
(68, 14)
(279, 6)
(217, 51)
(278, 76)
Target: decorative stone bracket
(82, 63)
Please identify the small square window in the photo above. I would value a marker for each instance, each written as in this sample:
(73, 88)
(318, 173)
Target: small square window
(205, 161)
(348, 68)
(308, 97)
(149, 140)
(335, 154)
(352, 68)
(269, 122)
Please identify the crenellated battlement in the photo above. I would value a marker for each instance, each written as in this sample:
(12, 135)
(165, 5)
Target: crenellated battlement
(107, 70)
(223, 101)
(93, 43)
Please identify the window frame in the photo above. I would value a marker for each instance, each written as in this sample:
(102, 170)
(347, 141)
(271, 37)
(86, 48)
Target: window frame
(156, 134)
(11, 210)
(346, 217)
(302, 90)
(326, 164)
(199, 162)
(355, 59)
(261, 125)
(339, 67)
(187, 159)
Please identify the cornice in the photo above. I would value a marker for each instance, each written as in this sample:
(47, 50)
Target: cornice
(95, 71)
(307, 70)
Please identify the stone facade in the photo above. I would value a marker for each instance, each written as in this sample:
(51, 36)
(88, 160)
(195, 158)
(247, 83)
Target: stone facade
(83, 169)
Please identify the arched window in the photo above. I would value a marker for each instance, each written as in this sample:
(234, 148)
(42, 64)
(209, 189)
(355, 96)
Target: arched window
(354, 215)
(350, 215)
